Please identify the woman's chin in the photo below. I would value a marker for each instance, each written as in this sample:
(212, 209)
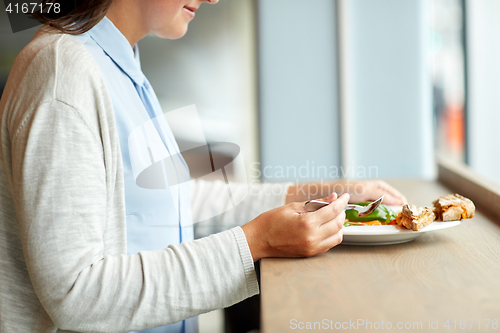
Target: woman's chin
(172, 33)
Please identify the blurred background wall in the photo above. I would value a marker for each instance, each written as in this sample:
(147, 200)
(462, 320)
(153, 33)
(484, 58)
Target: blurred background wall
(299, 99)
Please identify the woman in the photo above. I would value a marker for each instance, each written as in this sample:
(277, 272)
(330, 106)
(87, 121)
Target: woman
(69, 199)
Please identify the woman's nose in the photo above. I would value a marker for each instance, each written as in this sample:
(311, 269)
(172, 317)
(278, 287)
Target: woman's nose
(213, 2)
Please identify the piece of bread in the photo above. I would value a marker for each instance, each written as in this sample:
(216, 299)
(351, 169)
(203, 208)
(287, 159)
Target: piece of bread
(415, 218)
(453, 207)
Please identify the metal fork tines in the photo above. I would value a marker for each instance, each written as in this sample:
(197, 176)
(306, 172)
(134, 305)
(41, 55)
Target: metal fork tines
(313, 205)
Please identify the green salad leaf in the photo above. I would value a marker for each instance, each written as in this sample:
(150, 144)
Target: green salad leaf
(382, 213)
(350, 224)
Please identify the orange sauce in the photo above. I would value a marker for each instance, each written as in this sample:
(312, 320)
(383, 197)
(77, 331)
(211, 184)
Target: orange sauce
(376, 222)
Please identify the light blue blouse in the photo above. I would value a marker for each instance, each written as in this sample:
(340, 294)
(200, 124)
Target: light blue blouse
(157, 214)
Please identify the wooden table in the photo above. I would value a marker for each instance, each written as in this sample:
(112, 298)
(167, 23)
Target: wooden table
(449, 277)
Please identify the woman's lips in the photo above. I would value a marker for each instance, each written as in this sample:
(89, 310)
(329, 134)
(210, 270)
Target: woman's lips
(189, 10)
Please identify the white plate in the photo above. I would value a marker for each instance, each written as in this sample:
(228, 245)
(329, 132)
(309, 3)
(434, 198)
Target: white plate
(388, 234)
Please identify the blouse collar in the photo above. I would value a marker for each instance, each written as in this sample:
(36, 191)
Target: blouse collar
(117, 47)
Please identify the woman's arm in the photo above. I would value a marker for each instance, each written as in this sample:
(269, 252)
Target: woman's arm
(73, 241)
(359, 191)
(214, 210)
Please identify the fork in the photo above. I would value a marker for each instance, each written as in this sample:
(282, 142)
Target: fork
(313, 205)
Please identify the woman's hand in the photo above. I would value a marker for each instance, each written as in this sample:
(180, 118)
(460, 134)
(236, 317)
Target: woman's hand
(290, 231)
(359, 191)
(372, 190)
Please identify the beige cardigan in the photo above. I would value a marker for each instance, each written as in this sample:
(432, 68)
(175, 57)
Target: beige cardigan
(63, 262)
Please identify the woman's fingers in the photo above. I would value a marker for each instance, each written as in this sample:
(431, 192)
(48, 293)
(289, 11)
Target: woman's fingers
(330, 212)
(372, 190)
(332, 241)
(289, 231)
(393, 196)
(332, 227)
(332, 197)
(390, 199)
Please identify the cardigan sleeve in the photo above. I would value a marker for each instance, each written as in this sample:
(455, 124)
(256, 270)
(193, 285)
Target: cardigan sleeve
(213, 209)
(59, 187)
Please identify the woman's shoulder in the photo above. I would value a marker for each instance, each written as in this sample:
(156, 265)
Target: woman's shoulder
(56, 67)
(58, 64)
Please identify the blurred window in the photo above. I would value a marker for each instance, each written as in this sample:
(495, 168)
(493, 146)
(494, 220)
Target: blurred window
(448, 66)
(465, 57)
(483, 73)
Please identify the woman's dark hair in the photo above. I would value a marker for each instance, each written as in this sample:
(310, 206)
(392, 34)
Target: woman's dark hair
(72, 16)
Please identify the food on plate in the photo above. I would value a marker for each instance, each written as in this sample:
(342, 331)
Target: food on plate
(382, 215)
(452, 207)
(415, 217)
